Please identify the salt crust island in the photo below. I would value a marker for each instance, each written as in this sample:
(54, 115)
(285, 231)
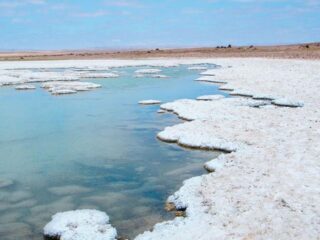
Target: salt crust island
(149, 102)
(58, 82)
(81, 225)
(266, 183)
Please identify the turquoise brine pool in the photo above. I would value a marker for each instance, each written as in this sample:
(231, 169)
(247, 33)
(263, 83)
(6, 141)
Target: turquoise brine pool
(95, 149)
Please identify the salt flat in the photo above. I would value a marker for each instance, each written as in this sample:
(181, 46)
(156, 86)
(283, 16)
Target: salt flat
(267, 187)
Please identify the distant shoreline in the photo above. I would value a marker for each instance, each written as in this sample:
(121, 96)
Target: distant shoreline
(298, 51)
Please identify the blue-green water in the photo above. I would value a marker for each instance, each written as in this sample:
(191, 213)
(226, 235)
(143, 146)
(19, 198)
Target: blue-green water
(95, 149)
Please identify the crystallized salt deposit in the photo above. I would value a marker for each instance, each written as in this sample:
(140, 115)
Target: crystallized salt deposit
(268, 187)
(284, 102)
(25, 87)
(97, 75)
(147, 71)
(258, 103)
(57, 91)
(91, 68)
(210, 97)
(149, 102)
(7, 80)
(197, 68)
(226, 88)
(187, 135)
(263, 97)
(48, 76)
(57, 88)
(215, 164)
(242, 93)
(212, 79)
(209, 72)
(80, 225)
(139, 75)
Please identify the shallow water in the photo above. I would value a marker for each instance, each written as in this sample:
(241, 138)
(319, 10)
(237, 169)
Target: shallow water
(95, 149)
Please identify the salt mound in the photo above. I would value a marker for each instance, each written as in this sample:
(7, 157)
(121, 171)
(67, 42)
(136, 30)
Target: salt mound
(284, 102)
(210, 79)
(25, 87)
(57, 88)
(97, 75)
(209, 72)
(197, 68)
(241, 93)
(149, 102)
(80, 225)
(263, 97)
(8, 80)
(210, 97)
(148, 71)
(215, 164)
(186, 134)
(48, 76)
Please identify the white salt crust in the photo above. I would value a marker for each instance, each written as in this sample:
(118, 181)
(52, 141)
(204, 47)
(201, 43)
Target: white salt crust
(287, 102)
(22, 78)
(211, 79)
(268, 187)
(97, 75)
(80, 225)
(216, 164)
(58, 88)
(149, 102)
(210, 97)
(25, 87)
(147, 71)
(200, 68)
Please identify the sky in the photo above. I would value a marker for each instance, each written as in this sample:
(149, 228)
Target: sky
(122, 24)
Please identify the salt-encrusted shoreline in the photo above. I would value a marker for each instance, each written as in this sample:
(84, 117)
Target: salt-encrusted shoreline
(268, 186)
